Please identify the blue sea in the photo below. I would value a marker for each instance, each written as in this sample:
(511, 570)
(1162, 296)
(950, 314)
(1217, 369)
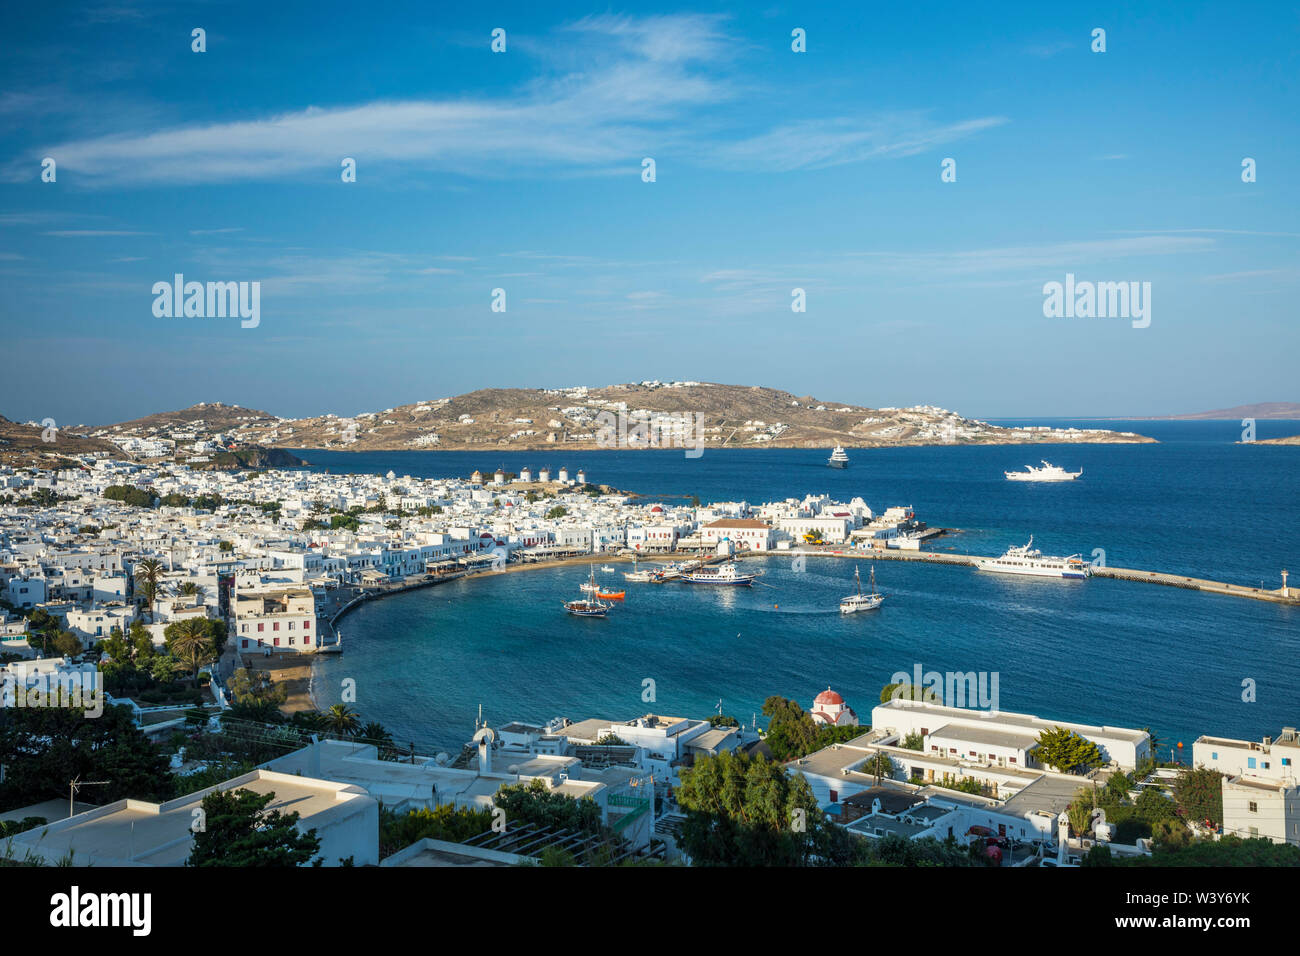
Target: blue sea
(1198, 503)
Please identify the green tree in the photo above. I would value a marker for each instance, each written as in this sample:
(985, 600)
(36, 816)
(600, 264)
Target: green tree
(42, 748)
(443, 822)
(162, 668)
(1080, 811)
(1066, 751)
(1099, 855)
(66, 644)
(1228, 851)
(239, 830)
(791, 731)
(559, 511)
(342, 719)
(895, 850)
(256, 688)
(1152, 806)
(534, 802)
(1116, 791)
(1198, 792)
(914, 741)
(743, 811)
(879, 764)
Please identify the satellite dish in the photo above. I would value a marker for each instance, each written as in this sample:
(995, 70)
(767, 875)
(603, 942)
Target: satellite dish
(513, 768)
(488, 734)
(441, 759)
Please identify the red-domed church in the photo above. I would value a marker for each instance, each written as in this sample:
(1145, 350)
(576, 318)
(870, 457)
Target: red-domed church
(829, 708)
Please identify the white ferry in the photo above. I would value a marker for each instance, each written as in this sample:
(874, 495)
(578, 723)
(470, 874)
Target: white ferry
(1029, 560)
(838, 458)
(1048, 472)
(728, 573)
(862, 602)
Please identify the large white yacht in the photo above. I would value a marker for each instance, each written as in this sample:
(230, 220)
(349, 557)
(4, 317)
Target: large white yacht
(1029, 560)
(838, 458)
(1048, 472)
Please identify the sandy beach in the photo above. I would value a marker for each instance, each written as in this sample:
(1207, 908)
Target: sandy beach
(292, 670)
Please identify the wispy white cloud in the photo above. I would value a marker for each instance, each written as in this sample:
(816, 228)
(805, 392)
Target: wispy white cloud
(1069, 254)
(91, 233)
(616, 87)
(818, 143)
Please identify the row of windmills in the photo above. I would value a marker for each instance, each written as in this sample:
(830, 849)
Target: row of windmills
(526, 476)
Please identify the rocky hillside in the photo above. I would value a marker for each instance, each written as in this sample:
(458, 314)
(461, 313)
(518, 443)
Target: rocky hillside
(584, 418)
(34, 443)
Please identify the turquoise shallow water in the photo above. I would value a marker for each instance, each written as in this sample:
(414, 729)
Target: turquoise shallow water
(1095, 651)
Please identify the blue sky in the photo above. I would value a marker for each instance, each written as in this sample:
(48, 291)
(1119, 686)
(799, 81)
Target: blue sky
(522, 171)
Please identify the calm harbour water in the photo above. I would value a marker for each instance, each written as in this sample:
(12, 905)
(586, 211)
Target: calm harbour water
(1098, 651)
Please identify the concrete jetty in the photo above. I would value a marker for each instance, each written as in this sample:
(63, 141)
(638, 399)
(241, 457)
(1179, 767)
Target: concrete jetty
(1119, 574)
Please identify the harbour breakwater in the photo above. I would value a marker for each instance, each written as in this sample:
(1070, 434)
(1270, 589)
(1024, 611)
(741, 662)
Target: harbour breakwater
(1118, 574)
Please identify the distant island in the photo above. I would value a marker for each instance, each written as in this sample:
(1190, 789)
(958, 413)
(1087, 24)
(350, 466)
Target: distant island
(1265, 410)
(643, 415)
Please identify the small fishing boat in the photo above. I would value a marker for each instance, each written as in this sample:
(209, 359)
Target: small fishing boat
(585, 608)
(589, 606)
(610, 595)
(608, 569)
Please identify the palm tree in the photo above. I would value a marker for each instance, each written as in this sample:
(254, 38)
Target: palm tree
(343, 720)
(148, 578)
(190, 589)
(191, 643)
(374, 733)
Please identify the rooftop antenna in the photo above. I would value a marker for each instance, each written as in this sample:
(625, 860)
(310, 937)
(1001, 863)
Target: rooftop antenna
(74, 785)
(719, 706)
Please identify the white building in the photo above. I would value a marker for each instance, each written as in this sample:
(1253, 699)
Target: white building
(1001, 738)
(278, 620)
(140, 833)
(1260, 793)
(745, 534)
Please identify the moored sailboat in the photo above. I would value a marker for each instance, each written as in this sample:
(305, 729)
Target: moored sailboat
(862, 602)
